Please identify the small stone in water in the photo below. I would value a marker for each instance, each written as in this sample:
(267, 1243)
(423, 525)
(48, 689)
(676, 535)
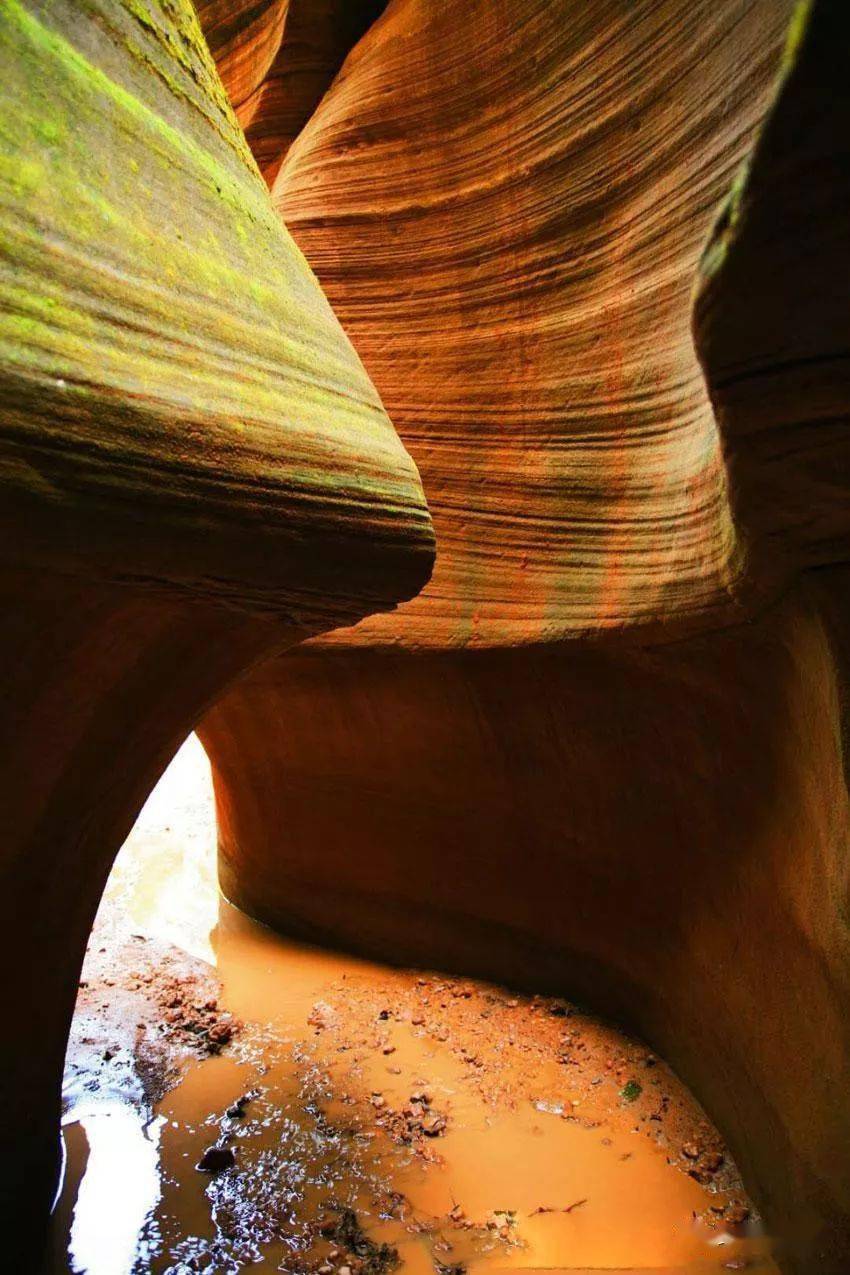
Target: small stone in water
(216, 1159)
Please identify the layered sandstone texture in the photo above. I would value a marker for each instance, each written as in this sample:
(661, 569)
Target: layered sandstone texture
(602, 751)
(277, 58)
(196, 471)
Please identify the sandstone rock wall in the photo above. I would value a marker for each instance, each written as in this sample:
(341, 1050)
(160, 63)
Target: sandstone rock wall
(277, 59)
(196, 472)
(506, 204)
(603, 751)
(663, 831)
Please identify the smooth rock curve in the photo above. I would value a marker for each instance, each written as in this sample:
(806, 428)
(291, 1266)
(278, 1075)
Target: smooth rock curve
(603, 751)
(196, 473)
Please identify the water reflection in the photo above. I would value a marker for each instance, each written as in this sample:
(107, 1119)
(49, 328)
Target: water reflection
(319, 1098)
(119, 1190)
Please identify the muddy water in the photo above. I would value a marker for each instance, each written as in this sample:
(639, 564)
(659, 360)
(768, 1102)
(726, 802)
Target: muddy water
(364, 1118)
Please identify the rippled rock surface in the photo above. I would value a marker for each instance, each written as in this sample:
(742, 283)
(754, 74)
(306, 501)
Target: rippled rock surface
(277, 59)
(603, 750)
(196, 472)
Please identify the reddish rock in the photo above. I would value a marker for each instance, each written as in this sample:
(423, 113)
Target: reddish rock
(277, 59)
(602, 752)
(196, 472)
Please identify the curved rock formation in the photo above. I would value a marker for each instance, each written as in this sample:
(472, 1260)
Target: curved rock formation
(663, 831)
(276, 60)
(602, 751)
(771, 315)
(507, 211)
(196, 472)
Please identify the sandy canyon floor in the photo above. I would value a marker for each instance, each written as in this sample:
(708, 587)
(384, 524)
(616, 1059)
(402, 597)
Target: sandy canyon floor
(235, 1101)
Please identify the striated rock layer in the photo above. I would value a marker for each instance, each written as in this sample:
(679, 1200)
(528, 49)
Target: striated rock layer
(663, 831)
(602, 752)
(771, 313)
(506, 207)
(196, 472)
(276, 60)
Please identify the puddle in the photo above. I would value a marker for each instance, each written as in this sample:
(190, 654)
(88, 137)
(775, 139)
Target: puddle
(361, 1117)
(111, 1209)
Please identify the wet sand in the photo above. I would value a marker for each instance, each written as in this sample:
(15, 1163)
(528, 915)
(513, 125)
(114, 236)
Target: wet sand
(352, 1115)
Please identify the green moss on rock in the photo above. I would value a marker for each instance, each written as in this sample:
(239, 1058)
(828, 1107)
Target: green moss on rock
(146, 280)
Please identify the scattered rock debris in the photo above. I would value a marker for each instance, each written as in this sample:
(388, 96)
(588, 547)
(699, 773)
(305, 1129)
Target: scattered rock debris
(412, 1122)
(478, 1023)
(144, 1010)
(237, 1109)
(569, 1208)
(165, 1010)
(354, 1249)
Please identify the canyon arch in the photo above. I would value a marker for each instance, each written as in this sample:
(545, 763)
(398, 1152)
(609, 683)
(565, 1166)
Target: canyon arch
(196, 473)
(603, 750)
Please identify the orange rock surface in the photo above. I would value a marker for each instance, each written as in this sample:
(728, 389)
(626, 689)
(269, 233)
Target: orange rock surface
(277, 59)
(602, 752)
(196, 472)
(506, 209)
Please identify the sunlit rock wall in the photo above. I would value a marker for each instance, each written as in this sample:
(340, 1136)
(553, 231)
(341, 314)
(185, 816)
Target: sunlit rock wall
(196, 472)
(506, 206)
(602, 751)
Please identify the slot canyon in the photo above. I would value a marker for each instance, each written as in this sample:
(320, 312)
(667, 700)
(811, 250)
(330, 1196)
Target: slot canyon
(426, 535)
